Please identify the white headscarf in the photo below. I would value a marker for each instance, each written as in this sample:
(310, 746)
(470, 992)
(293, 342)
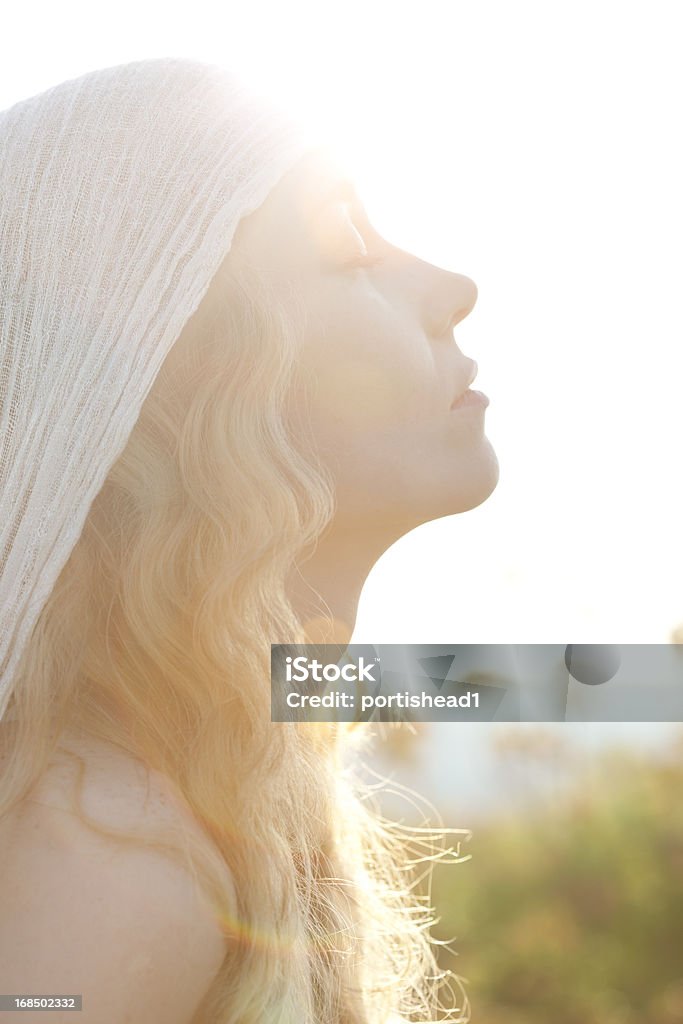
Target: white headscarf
(120, 193)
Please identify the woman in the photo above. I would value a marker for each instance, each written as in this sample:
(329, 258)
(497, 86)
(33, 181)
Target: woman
(223, 397)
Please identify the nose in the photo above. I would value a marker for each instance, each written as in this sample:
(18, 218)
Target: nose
(452, 297)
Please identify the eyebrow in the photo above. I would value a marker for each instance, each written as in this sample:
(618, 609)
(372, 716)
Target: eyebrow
(344, 189)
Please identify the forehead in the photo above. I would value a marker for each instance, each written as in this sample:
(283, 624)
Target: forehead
(290, 208)
(318, 176)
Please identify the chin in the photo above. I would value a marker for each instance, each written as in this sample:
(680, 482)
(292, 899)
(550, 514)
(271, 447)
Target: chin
(473, 485)
(487, 481)
(422, 497)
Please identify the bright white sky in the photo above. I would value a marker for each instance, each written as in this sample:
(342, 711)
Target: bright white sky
(535, 147)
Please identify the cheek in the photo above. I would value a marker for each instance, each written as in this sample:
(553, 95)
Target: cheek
(371, 377)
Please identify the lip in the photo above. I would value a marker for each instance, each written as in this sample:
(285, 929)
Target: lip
(470, 399)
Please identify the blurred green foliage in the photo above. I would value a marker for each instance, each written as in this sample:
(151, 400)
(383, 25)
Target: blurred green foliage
(571, 911)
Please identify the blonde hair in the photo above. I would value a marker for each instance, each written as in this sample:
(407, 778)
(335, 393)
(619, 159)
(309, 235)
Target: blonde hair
(156, 638)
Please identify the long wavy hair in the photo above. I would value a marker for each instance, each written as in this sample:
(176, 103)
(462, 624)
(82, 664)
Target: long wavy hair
(156, 638)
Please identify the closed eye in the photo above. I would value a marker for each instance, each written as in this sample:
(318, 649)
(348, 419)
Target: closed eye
(367, 237)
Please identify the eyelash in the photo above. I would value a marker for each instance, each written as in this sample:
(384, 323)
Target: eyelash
(364, 259)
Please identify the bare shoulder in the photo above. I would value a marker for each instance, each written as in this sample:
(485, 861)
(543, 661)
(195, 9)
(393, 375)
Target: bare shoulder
(126, 926)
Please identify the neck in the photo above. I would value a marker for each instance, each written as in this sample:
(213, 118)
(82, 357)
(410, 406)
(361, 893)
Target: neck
(328, 584)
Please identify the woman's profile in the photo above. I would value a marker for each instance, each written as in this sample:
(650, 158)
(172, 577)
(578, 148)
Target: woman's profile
(222, 397)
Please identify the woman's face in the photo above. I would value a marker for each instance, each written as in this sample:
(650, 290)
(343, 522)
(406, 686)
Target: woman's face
(380, 367)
